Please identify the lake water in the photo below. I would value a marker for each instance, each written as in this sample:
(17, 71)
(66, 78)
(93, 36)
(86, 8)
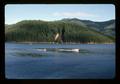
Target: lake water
(94, 61)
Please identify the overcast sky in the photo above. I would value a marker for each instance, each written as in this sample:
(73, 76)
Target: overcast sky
(49, 12)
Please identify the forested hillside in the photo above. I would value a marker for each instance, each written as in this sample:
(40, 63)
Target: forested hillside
(106, 27)
(45, 31)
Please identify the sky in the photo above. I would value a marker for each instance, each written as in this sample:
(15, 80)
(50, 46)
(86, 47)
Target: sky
(50, 12)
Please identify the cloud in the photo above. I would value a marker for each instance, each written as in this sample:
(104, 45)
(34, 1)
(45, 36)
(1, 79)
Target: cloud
(74, 14)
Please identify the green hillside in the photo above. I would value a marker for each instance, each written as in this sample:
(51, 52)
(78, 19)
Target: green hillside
(106, 27)
(43, 31)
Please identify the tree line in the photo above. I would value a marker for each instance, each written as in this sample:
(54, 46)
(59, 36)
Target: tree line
(42, 31)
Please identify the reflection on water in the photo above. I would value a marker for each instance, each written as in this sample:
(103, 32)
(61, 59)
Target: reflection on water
(29, 54)
(23, 61)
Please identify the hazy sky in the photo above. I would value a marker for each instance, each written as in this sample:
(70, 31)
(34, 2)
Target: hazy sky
(49, 12)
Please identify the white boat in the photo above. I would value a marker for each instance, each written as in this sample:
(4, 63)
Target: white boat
(73, 50)
(59, 49)
(42, 49)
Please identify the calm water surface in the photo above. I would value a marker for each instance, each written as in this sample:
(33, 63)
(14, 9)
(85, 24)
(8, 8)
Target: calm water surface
(94, 61)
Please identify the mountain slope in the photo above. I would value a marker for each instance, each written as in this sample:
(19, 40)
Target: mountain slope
(43, 31)
(106, 27)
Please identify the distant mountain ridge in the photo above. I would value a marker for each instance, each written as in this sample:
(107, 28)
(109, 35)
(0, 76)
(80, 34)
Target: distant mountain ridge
(76, 30)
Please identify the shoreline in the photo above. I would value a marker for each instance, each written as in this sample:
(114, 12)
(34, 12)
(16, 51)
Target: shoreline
(58, 43)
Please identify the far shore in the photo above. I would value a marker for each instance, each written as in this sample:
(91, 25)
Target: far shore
(59, 43)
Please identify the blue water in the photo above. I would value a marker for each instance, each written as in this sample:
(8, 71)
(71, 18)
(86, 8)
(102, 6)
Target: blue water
(94, 61)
